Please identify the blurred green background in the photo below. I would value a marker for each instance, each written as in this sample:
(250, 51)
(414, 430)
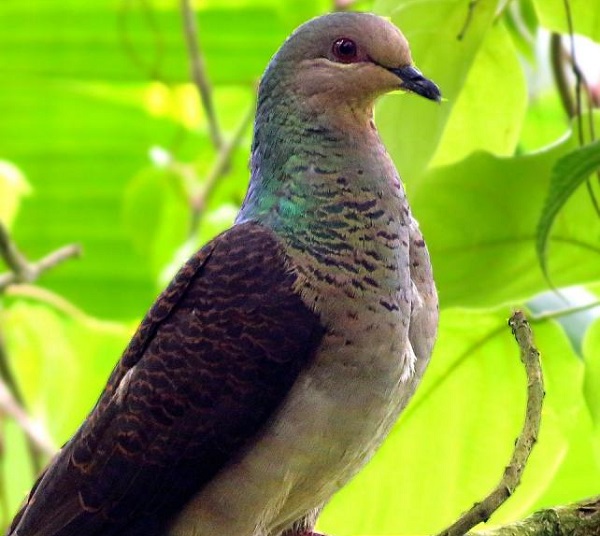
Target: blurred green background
(104, 142)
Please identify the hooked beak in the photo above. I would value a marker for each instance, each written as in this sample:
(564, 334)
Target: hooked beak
(413, 80)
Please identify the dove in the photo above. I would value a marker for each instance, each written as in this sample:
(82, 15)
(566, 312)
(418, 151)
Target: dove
(275, 363)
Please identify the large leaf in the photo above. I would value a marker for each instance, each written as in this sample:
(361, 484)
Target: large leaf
(479, 218)
(454, 439)
(494, 93)
(61, 360)
(62, 367)
(568, 174)
(156, 214)
(80, 118)
(411, 126)
(591, 350)
(15, 469)
(78, 152)
(545, 122)
(133, 41)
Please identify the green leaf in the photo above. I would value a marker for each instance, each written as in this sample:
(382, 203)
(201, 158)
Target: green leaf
(458, 433)
(494, 93)
(113, 41)
(80, 117)
(479, 218)
(156, 214)
(61, 361)
(78, 151)
(591, 352)
(545, 122)
(568, 174)
(412, 126)
(585, 15)
(16, 470)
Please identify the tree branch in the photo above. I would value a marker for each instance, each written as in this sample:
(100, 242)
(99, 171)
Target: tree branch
(11, 399)
(512, 473)
(22, 271)
(198, 72)
(579, 519)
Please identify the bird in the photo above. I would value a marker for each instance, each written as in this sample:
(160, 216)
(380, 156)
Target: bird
(277, 360)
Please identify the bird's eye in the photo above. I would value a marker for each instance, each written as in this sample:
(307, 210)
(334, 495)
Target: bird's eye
(345, 50)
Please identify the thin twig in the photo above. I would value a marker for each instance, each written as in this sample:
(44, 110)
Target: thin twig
(198, 72)
(23, 271)
(512, 473)
(580, 82)
(219, 168)
(34, 432)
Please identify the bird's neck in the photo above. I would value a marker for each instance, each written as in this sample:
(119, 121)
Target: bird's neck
(305, 163)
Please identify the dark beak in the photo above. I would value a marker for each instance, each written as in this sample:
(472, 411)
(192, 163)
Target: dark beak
(413, 80)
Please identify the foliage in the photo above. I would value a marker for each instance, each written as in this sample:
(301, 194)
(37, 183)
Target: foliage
(103, 141)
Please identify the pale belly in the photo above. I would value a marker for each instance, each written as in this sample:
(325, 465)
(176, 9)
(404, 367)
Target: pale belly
(337, 414)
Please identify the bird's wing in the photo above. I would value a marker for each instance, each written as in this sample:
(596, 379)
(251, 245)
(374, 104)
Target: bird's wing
(209, 364)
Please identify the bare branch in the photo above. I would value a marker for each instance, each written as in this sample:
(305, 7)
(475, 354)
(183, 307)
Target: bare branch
(22, 271)
(579, 519)
(198, 72)
(512, 473)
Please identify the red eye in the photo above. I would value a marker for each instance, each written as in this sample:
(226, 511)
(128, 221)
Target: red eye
(345, 50)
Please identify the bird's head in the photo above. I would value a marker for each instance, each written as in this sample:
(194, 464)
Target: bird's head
(348, 58)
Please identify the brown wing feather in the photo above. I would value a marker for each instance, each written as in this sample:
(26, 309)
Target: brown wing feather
(211, 361)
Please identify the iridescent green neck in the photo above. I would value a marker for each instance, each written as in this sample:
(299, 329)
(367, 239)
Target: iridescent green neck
(289, 151)
(303, 167)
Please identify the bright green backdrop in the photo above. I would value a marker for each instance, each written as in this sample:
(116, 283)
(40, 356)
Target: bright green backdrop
(103, 142)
